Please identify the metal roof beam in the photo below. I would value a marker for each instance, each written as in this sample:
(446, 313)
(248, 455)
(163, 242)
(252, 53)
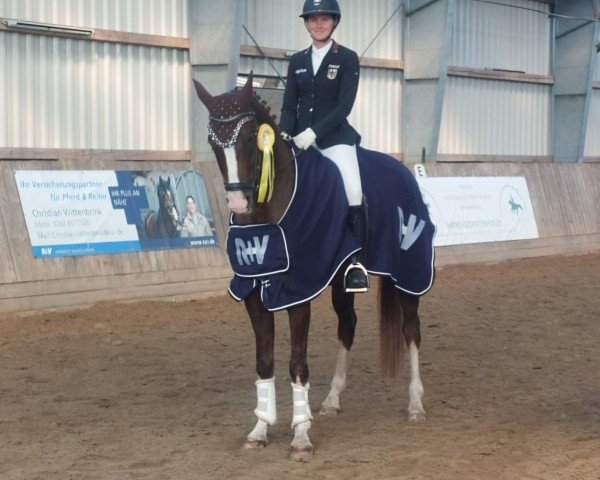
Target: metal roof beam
(574, 67)
(427, 50)
(215, 39)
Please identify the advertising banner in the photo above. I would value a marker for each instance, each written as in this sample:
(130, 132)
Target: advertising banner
(478, 209)
(86, 212)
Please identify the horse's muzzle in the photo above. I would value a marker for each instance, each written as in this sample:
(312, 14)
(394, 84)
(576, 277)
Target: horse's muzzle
(239, 201)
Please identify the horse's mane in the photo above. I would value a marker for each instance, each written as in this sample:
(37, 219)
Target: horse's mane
(263, 111)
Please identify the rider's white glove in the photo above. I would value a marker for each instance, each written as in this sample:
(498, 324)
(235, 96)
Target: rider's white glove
(286, 136)
(305, 139)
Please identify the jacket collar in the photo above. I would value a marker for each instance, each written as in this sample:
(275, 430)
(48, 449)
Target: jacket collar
(334, 48)
(327, 58)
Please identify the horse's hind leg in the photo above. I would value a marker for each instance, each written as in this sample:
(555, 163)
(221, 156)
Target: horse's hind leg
(264, 333)
(412, 336)
(343, 304)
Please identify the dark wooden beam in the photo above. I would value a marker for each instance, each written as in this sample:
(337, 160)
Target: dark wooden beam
(281, 54)
(464, 158)
(500, 75)
(94, 154)
(112, 36)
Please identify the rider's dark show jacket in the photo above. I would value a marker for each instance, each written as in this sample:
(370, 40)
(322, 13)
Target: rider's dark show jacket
(322, 101)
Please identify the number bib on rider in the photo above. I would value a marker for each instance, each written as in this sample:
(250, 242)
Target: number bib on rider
(257, 250)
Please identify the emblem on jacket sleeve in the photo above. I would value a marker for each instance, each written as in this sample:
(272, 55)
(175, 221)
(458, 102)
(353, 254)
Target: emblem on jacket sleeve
(332, 71)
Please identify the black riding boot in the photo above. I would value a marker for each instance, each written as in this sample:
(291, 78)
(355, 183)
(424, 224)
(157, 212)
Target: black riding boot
(356, 278)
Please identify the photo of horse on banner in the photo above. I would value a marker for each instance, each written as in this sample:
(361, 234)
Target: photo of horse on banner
(164, 222)
(178, 212)
(289, 240)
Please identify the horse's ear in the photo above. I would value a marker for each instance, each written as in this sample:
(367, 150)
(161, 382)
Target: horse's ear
(247, 89)
(205, 97)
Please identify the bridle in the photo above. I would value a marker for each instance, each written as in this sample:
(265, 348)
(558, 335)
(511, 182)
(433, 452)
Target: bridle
(241, 119)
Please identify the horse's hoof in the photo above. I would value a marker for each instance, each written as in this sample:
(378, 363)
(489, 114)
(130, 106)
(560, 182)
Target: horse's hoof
(302, 454)
(416, 416)
(252, 443)
(329, 411)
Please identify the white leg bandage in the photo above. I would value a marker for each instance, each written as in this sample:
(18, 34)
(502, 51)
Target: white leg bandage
(266, 403)
(301, 406)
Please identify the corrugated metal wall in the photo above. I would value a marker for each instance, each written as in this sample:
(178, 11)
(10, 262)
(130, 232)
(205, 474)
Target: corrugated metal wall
(488, 117)
(377, 111)
(64, 93)
(60, 93)
(500, 37)
(497, 117)
(377, 114)
(157, 17)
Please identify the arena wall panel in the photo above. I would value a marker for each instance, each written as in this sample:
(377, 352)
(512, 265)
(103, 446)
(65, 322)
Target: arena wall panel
(490, 36)
(565, 199)
(77, 94)
(489, 117)
(28, 283)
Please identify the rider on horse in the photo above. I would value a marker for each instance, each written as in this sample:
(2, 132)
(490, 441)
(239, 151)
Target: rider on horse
(321, 87)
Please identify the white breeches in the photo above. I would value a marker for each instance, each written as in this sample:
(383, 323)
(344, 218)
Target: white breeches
(344, 156)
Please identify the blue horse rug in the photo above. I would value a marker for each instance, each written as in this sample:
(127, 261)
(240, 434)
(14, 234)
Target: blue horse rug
(293, 261)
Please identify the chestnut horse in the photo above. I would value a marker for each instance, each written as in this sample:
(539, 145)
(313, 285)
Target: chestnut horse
(234, 121)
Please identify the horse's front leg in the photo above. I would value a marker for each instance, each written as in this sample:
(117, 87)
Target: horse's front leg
(302, 449)
(343, 304)
(264, 333)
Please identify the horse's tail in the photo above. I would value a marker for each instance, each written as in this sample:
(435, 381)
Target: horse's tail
(391, 323)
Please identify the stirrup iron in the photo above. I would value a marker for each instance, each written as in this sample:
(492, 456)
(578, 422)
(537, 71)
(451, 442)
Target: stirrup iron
(356, 288)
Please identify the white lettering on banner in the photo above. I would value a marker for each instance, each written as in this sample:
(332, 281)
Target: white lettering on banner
(408, 234)
(478, 209)
(84, 212)
(246, 252)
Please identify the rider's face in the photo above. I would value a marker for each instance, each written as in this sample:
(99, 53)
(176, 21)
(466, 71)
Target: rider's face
(191, 205)
(320, 26)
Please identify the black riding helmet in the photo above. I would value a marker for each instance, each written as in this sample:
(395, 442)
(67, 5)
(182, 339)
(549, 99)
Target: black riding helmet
(331, 7)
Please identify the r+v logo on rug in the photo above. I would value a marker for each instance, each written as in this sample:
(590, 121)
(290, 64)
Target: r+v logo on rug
(253, 251)
(409, 233)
